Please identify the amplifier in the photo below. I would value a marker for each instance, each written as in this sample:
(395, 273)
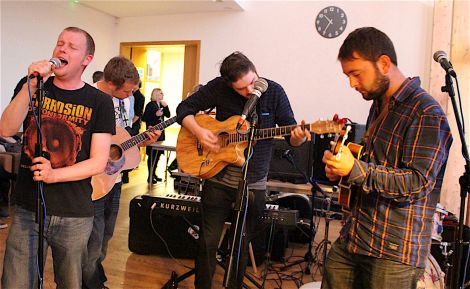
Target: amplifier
(173, 230)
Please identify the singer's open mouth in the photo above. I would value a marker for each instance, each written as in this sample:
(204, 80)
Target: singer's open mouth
(63, 61)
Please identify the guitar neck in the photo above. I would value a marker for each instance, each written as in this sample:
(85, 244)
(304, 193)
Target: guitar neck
(140, 138)
(266, 133)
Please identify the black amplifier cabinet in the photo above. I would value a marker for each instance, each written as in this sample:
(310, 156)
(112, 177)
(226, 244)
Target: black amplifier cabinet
(174, 229)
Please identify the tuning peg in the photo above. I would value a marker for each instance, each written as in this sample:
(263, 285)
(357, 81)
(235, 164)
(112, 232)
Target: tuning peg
(344, 120)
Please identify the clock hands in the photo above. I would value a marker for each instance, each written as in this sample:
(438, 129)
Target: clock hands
(324, 31)
(329, 20)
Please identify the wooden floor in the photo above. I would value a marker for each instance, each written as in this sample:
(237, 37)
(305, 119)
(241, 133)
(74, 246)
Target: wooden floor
(129, 270)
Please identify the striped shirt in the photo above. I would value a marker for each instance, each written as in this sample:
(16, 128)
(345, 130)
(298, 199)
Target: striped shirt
(398, 180)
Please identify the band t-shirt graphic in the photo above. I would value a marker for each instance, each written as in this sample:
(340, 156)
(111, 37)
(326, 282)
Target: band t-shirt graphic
(69, 118)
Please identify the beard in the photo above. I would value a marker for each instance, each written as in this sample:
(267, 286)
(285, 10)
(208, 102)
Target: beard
(380, 86)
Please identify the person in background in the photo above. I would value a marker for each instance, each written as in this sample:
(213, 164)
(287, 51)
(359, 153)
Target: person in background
(386, 239)
(228, 94)
(139, 102)
(120, 79)
(97, 76)
(66, 173)
(155, 112)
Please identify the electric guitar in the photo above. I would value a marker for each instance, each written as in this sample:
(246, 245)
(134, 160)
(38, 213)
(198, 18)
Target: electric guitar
(195, 160)
(123, 155)
(346, 193)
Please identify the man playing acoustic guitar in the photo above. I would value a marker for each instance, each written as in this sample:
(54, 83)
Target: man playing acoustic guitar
(386, 238)
(228, 94)
(120, 80)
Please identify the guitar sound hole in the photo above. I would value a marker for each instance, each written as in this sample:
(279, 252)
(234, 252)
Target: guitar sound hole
(115, 152)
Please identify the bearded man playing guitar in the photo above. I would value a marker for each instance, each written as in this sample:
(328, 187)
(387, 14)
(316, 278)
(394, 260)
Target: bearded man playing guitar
(228, 94)
(386, 239)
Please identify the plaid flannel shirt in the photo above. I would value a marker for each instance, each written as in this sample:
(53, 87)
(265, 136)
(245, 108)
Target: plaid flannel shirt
(398, 180)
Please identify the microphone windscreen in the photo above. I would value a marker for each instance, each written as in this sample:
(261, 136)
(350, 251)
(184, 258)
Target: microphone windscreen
(55, 61)
(438, 55)
(261, 85)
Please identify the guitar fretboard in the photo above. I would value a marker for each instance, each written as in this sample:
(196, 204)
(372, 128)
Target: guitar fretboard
(140, 138)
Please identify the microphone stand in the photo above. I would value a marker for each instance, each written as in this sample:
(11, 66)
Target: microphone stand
(40, 185)
(241, 207)
(464, 180)
(308, 257)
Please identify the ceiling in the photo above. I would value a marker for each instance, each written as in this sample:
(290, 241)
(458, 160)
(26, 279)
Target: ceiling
(159, 7)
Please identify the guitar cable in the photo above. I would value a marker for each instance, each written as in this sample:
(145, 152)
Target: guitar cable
(163, 239)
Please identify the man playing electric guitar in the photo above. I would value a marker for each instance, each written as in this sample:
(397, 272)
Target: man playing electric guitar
(228, 94)
(120, 80)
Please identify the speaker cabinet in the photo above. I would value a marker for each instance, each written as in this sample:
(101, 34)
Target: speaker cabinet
(281, 169)
(149, 230)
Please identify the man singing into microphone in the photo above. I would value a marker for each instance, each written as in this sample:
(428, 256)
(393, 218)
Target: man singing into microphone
(386, 239)
(77, 124)
(229, 94)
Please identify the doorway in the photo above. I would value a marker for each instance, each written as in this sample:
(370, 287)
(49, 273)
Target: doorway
(172, 66)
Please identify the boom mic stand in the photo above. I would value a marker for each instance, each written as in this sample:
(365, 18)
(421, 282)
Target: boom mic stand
(308, 257)
(40, 185)
(464, 180)
(241, 207)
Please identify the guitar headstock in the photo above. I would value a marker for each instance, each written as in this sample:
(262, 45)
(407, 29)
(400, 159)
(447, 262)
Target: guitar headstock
(336, 125)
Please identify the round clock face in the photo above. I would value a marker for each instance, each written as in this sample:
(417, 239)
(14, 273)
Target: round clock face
(331, 22)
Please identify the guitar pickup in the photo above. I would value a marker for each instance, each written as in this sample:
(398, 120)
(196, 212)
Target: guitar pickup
(199, 149)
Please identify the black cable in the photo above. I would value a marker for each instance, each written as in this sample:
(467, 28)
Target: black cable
(163, 239)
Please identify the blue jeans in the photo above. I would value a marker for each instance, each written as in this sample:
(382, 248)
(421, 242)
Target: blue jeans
(106, 210)
(347, 270)
(67, 238)
(217, 203)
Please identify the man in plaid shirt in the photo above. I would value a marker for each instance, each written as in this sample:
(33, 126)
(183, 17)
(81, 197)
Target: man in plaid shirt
(386, 239)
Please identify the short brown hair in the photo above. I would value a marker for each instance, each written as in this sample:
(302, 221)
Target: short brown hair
(234, 66)
(370, 43)
(120, 70)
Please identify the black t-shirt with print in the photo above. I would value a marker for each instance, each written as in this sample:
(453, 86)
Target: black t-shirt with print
(69, 118)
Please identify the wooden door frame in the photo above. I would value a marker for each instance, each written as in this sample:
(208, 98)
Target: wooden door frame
(192, 54)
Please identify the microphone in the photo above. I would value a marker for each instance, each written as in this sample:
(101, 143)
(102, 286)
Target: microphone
(260, 87)
(55, 61)
(287, 154)
(441, 57)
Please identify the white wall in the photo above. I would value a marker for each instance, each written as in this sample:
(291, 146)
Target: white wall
(280, 38)
(29, 31)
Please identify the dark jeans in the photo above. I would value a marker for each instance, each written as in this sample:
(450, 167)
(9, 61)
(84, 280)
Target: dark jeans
(106, 210)
(217, 201)
(347, 270)
(153, 158)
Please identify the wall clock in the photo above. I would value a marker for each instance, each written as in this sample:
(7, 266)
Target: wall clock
(331, 22)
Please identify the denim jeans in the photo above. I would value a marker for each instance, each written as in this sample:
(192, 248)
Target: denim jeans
(217, 203)
(67, 238)
(347, 270)
(106, 210)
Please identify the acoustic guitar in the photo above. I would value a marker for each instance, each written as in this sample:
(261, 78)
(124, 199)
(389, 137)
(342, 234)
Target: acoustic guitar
(346, 193)
(123, 155)
(195, 160)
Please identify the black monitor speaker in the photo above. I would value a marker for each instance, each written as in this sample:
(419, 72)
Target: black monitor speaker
(281, 169)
